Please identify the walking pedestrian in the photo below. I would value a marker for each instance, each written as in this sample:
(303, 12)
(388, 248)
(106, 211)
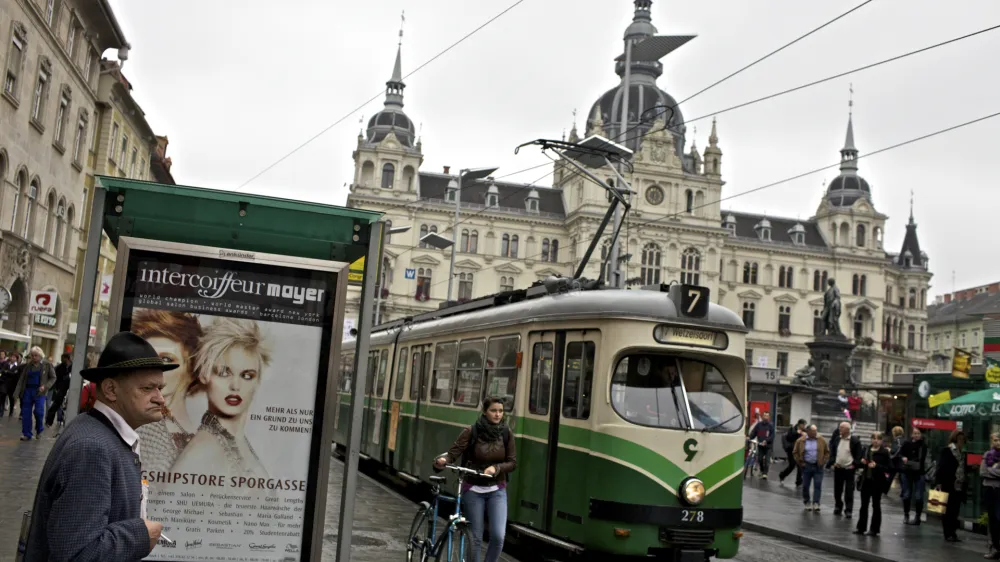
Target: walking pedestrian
(7, 384)
(488, 446)
(895, 458)
(59, 390)
(872, 484)
(845, 457)
(989, 473)
(950, 478)
(811, 453)
(788, 440)
(764, 433)
(90, 505)
(34, 378)
(914, 456)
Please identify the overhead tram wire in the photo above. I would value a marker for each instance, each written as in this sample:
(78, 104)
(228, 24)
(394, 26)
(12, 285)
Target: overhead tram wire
(380, 93)
(797, 176)
(739, 106)
(623, 133)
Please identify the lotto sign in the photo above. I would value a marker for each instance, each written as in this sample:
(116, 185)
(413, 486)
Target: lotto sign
(43, 302)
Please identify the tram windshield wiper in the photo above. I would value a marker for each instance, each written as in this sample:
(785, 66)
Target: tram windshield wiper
(720, 424)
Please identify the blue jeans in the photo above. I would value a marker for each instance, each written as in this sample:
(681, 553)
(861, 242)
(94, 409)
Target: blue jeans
(812, 474)
(913, 491)
(32, 399)
(476, 506)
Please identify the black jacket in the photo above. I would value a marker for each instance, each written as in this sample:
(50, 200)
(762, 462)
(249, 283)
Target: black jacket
(63, 374)
(791, 436)
(856, 450)
(947, 470)
(914, 451)
(879, 475)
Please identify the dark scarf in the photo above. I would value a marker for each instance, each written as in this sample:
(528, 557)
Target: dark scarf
(489, 432)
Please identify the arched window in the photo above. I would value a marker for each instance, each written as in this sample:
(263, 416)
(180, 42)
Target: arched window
(859, 238)
(923, 298)
(748, 314)
(859, 323)
(817, 323)
(545, 249)
(506, 284)
(513, 246)
(60, 236)
(50, 223)
(688, 201)
(650, 271)
(554, 255)
(505, 246)
(29, 208)
(70, 229)
(887, 336)
(913, 298)
(975, 339)
(826, 277)
(423, 232)
(464, 286)
(750, 273)
(464, 247)
(423, 284)
(863, 286)
(817, 283)
(785, 319)
(911, 337)
(474, 242)
(690, 266)
(856, 284)
(785, 274)
(388, 175)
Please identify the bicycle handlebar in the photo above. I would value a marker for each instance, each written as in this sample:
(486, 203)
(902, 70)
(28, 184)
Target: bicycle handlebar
(463, 470)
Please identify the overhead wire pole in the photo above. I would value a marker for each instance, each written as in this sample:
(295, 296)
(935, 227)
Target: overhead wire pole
(616, 275)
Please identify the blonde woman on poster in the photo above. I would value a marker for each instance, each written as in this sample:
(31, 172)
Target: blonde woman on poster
(175, 337)
(229, 362)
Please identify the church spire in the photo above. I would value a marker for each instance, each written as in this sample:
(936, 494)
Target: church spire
(394, 87)
(849, 154)
(713, 138)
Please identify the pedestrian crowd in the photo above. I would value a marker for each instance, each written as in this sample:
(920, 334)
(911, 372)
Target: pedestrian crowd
(37, 387)
(870, 467)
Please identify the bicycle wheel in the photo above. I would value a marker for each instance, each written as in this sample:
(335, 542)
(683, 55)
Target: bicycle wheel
(748, 465)
(416, 543)
(461, 545)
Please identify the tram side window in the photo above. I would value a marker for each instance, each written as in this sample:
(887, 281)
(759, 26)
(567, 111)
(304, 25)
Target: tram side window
(370, 375)
(469, 384)
(579, 380)
(501, 368)
(541, 379)
(444, 372)
(400, 387)
(346, 373)
(383, 365)
(416, 376)
(426, 375)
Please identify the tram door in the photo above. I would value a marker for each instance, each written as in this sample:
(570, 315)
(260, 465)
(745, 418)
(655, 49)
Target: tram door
(573, 399)
(535, 455)
(420, 372)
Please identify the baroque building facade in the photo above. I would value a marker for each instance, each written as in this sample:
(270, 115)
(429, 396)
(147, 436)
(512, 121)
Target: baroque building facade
(48, 112)
(771, 270)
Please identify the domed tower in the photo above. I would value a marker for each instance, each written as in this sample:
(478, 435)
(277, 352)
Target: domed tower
(389, 154)
(848, 187)
(646, 101)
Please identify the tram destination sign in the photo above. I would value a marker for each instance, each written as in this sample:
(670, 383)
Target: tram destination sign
(231, 468)
(681, 335)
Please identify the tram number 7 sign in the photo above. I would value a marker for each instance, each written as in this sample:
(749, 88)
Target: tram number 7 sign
(694, 301)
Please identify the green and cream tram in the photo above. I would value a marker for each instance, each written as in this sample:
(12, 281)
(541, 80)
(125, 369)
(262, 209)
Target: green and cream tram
(627, 406)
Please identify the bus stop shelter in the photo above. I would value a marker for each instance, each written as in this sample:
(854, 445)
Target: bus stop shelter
(251, 223)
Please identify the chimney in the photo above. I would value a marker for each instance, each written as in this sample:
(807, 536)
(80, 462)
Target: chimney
(447, 169)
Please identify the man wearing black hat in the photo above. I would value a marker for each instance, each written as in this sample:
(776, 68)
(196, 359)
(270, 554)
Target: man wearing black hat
(90, 505)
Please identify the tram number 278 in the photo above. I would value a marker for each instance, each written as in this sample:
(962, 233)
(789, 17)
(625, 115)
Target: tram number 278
(692, 516)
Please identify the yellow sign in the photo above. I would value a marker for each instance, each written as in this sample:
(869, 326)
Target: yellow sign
(960, 364)
(992, 372)
(393, 426)
(356, 273)
(939, 398)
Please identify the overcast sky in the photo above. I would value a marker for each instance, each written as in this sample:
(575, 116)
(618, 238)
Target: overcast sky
(237, 89)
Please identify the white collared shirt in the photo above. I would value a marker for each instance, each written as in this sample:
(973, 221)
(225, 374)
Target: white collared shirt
(127, 433)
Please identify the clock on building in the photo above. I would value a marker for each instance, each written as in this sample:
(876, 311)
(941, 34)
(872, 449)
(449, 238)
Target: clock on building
(654, 195)
(5, 298)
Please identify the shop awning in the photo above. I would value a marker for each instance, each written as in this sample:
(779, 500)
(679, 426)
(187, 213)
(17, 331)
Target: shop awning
(14, 336)
(982, 404)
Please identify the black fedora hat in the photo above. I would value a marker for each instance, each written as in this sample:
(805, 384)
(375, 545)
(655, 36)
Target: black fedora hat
(126, 352)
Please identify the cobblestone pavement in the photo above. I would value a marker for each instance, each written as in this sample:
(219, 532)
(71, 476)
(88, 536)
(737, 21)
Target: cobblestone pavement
(776, 509)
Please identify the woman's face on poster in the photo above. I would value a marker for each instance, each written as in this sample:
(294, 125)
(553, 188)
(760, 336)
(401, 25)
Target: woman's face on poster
(234, 382)
(171, 351)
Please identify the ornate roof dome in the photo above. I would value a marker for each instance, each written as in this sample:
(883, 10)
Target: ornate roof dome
(392, 119)
(644, 94)
(848, 187)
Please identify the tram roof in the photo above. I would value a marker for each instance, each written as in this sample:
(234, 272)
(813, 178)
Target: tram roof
(575, 305)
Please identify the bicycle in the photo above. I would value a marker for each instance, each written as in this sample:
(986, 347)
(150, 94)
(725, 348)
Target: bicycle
(425, 523)
(750, 464)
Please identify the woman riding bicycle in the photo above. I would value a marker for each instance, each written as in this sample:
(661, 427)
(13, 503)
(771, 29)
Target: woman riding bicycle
(487, 446)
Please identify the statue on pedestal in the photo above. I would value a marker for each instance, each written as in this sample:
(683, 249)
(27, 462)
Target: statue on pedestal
(831, 310)
(806, 375)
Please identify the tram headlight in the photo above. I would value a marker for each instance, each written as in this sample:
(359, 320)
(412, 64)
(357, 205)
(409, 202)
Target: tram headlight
(693, 491)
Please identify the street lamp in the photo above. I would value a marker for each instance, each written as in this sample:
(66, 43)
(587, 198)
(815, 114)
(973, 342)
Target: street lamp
(381, 284)
(433, 239)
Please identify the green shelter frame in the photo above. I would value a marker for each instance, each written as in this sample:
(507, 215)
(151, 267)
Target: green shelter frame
(252, 223)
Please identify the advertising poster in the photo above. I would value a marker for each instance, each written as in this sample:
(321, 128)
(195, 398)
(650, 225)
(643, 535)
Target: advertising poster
(228, 466)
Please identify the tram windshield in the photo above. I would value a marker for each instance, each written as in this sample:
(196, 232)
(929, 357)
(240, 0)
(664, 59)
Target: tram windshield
(677, 393)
